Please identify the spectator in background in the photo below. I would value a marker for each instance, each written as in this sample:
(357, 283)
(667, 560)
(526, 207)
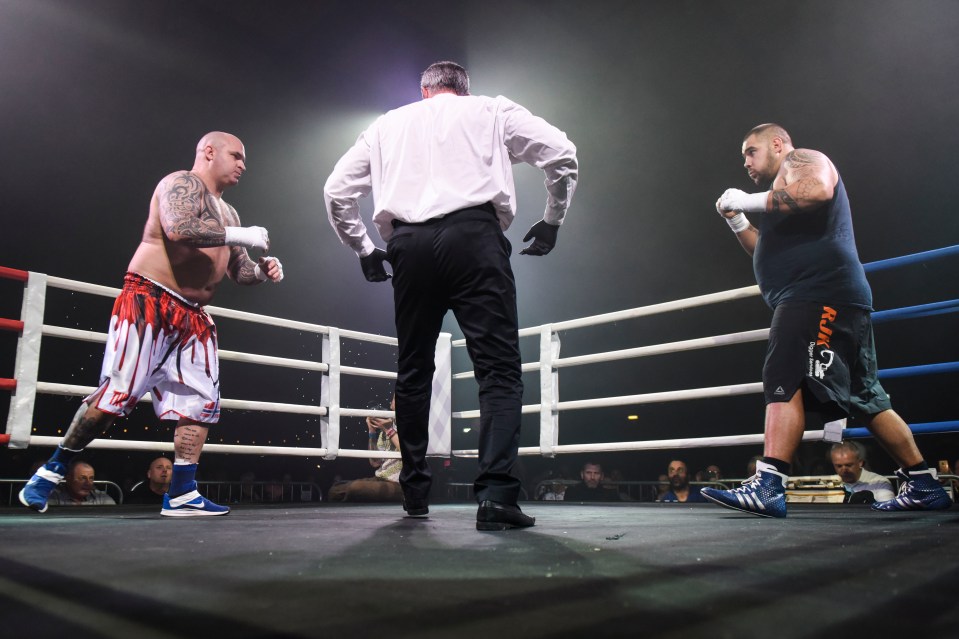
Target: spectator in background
(590, 488)
(862, 486)
(157, 483)
(710, 473)
(384, 485)
(751, 465)
(662, 487)
(77, 488)
(554, 491)
(550, 485)
(953, 483)
(680, 490)
(616, 481)
(248, 492)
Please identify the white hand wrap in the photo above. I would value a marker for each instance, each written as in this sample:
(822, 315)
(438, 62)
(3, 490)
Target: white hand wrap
(260, 275)
(254, 237)
(738, 223)
(736, 200)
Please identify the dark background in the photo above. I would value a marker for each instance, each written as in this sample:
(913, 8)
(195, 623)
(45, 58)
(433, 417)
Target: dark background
(100, 99)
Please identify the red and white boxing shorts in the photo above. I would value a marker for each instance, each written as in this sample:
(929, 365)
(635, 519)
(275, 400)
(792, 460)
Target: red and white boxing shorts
(159, 343)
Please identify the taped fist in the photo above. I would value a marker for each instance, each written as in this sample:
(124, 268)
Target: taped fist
(268, 268)
(736, 200)
(251, 237)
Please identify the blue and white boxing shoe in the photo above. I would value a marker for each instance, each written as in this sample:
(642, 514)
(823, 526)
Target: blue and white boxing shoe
(763, 494)
(35, 493)
(192, 504)
(919, 490)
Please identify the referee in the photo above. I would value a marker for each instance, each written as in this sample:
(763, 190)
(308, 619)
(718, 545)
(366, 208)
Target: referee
(440, 171)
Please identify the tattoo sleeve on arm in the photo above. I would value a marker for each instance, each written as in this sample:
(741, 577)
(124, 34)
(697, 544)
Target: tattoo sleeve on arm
(189, 213)
(805, 188)
(781, 200)
(242, 267)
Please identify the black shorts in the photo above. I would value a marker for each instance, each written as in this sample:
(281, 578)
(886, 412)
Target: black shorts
(829, 351)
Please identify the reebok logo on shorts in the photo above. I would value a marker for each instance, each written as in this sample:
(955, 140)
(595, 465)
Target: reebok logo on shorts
(779, 391)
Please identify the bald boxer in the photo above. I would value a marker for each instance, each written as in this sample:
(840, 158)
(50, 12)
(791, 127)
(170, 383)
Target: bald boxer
(160, 339)
(821, 357)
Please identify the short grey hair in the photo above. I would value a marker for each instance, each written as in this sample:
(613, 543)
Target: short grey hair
(851, 446)
(446, 76)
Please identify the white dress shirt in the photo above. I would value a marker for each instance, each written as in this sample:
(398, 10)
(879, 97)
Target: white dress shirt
(879, 486)
(442, 154)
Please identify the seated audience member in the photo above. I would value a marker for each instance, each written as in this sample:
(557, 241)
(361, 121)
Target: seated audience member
(616, 481)
(551, 490)
(953, 483)
(679, 488)
(590, 488)
(249, 490)
(862, 486)
(77, 488)
(152, 489)
(277, 490)
(710, 473)
(751, 465)
(662, 487)
(385, 483)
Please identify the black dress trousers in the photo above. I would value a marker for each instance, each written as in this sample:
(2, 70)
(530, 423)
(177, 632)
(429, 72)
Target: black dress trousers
(458, 262)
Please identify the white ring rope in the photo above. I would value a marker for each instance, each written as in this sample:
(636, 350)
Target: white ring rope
(646, 351)
(330, 411)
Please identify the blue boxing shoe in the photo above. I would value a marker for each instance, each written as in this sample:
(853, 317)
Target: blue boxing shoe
(192, 504)
(35, 493)
(763, 494)
(919, 490)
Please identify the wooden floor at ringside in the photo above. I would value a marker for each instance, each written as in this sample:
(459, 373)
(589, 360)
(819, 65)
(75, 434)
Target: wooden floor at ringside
(636, 570)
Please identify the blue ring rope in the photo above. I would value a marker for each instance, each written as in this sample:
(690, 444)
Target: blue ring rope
(912, 312)
(921, 429)
(881, 265)
(924, 369)
(922, 310)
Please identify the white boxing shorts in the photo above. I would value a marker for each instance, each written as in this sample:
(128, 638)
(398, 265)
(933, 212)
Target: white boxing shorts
(162, 344)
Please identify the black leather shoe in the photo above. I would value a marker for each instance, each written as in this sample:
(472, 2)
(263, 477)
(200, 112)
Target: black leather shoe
(493, 515)
(416, 508)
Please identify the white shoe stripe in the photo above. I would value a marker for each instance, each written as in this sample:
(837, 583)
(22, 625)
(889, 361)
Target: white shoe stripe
(49, 475)
(176, 502)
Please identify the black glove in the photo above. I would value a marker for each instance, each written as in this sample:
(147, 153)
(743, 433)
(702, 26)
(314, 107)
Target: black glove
(860, 497)
(544, 236)
(372, 266)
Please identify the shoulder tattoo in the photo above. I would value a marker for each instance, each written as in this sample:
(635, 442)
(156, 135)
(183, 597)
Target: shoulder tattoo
(188, 211)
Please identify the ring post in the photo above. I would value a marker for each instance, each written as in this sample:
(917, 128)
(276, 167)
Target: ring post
(330, 394)
(20, 417)
(549, 345)
(441, 416)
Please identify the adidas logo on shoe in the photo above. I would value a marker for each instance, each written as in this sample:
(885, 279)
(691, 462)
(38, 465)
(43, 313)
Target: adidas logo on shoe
(763, 494)
(919, 490)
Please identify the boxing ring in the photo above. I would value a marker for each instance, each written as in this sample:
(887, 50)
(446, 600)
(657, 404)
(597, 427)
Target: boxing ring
(26, 388)
(337, 570)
